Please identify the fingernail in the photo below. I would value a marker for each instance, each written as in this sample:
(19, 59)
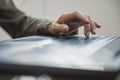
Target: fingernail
(94, 31)
(87, 34)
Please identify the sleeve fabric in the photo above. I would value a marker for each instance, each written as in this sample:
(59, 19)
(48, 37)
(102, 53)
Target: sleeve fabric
(18, 24)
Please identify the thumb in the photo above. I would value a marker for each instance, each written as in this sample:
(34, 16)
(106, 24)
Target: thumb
(63, 29)
(58, 29)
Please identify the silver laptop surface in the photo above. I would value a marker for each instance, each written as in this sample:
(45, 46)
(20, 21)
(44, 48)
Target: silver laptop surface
(48, 55)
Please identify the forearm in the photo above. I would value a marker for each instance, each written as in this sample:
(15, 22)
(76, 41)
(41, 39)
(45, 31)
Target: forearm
(10, 16)
(31, 26)
(18, 24)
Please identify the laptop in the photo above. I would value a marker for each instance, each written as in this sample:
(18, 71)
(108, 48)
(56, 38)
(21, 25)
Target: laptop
(94, 57)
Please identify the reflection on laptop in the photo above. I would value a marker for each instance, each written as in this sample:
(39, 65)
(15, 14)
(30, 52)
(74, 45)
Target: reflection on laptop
(93, 56)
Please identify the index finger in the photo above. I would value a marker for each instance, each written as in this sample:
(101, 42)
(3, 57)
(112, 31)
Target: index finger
(81, 17)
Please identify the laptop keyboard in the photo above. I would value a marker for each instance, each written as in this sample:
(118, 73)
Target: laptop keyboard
(88, 40)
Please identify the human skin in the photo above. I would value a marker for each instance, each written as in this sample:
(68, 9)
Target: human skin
(63, 27)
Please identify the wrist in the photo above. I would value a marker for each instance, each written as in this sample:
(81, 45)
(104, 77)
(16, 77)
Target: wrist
(50, 28)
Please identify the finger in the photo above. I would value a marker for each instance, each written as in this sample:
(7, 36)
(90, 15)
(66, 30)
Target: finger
(86, 30)
(58, 29)
(63, 29)
(73, 32)
(97, 24)
(92, 25)
(81, 17)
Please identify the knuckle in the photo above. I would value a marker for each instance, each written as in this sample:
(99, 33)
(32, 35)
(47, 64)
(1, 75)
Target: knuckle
(75, 12)
(62, 15)
(89, 18)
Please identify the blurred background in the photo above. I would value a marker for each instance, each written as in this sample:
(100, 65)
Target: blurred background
(106, 12)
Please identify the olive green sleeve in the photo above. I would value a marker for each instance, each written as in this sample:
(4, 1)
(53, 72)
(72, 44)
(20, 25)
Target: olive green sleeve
(18, 24)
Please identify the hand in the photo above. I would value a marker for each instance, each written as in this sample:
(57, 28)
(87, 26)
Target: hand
(75, 20)
(68, 24)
